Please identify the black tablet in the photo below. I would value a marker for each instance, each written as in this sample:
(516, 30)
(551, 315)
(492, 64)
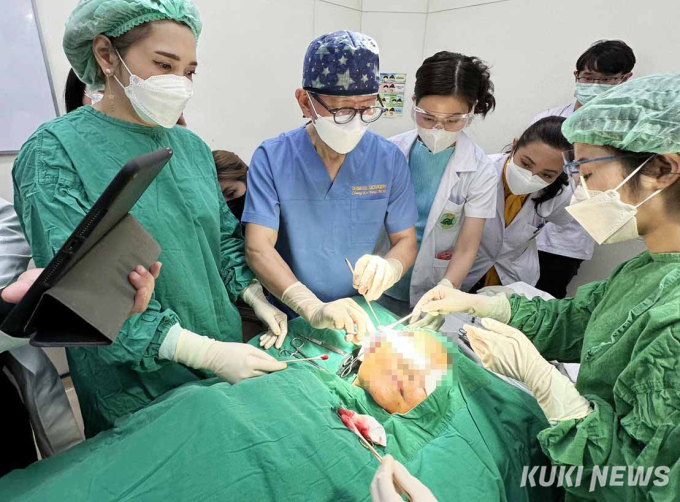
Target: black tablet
(112, 206)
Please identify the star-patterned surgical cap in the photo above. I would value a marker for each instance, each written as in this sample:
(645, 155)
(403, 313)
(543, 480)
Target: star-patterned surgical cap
(343, 63)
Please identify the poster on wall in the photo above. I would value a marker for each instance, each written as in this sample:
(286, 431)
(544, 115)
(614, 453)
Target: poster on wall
(392, 89)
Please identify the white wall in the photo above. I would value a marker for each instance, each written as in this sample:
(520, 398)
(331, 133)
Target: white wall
(399, 28)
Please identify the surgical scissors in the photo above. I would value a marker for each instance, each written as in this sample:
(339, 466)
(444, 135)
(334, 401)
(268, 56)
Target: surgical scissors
(297, 344)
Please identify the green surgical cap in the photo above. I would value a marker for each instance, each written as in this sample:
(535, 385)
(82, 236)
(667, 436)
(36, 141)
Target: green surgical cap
(114, 18)
(642, 115)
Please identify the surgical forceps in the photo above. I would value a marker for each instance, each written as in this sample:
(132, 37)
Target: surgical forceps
(297, 344)
(462, 334)
(350, 364)
(323, 345)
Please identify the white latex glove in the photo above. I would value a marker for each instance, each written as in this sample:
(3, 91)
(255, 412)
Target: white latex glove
(444, 299)
(374, 275)
(430, 321)
(506, 350)
(232, 362)
(276, 321)
(383, 489)
(497, 290)
(344, 314)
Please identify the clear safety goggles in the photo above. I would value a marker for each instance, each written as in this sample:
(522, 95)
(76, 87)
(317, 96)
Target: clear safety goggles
(572, 167)
(450, 122)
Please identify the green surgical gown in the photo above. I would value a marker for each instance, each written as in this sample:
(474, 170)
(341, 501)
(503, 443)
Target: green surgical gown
(625, 332)
(60, 172)
(279, 438)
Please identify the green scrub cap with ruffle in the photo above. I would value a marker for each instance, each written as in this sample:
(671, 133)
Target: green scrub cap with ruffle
(113, 18)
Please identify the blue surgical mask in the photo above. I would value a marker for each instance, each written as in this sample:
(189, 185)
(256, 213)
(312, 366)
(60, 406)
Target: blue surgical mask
(587, 92)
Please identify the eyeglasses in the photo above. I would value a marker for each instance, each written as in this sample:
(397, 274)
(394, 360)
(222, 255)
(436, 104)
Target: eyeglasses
(449, 121)
(572, 167)
(616, 79)
(345, 114)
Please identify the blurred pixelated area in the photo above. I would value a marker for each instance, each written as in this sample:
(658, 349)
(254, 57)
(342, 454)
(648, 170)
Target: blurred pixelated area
(402, 368)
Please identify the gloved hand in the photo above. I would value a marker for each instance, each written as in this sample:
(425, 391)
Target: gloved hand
(276, 321)
(497, 290)
(508, 351)
(232, 362)
(374, 275)
(430, 321)
(383, 489)
(344, 314)
(444, 299)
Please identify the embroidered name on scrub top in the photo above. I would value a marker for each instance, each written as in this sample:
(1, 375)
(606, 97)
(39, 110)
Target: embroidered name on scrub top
(369, 190)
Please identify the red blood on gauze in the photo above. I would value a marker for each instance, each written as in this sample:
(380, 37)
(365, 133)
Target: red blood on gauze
(364, 426)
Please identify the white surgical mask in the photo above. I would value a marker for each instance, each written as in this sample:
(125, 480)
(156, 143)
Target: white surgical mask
(587, 92)
(605, 217)
(438, 140)
(342, 138)
(521, 181)
(158, 100)
(95, 97)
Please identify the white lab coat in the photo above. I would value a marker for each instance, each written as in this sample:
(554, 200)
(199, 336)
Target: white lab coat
(512, 250)
(16, 254)
(571, 239)
(467, 188)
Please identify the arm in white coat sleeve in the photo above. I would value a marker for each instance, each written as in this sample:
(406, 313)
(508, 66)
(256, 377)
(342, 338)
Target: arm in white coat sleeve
(14, 248)
(480, 199)
(558, 213)
(479, 205)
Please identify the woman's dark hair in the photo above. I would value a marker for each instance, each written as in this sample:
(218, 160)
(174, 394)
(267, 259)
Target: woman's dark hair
(610, 57)
(74, 92)
(452, 74)
(123, 43)
(548, 130)
(655, 168)
(229, 166)
(136, 34)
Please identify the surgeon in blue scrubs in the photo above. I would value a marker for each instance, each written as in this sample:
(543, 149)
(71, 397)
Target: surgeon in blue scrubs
(324, 192)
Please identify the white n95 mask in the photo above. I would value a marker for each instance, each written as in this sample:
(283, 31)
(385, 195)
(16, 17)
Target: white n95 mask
(521, 181)
(438, 140)
(158, 100)
(605, 217)
(342, 138)
(581, 194)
